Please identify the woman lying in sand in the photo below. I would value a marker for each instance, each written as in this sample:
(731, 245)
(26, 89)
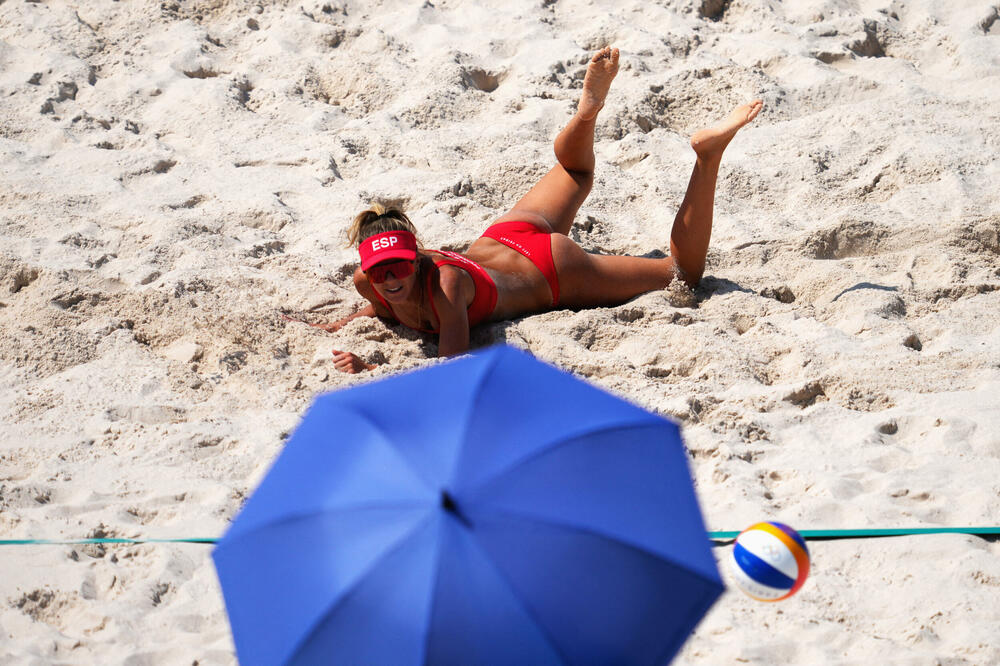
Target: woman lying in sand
(525, 262)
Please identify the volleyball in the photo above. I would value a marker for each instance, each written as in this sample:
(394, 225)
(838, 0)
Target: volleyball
(769, 561)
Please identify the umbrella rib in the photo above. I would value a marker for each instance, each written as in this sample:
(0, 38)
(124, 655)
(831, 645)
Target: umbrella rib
(291, 518)
(320, 618)
(520, 462)
(389, 441)
(468, 415)
(597, 533)
(520, 602)
(437, 575)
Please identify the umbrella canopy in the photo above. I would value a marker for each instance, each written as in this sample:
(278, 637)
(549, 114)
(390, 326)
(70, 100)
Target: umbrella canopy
(489, 510)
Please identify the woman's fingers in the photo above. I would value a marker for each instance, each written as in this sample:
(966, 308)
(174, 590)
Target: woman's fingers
(346, 362)
(349, 363)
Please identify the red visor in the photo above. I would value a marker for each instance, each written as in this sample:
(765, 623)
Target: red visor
(390, 245)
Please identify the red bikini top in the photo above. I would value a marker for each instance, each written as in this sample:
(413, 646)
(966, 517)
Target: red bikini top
(482, 303)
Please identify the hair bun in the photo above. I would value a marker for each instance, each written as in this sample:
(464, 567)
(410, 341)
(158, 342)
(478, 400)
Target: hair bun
(377, 219)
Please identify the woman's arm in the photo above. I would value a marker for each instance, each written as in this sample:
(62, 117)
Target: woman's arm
(348, 362)
(373, 309)
(333, 327)
(367, 311)
(453, 316)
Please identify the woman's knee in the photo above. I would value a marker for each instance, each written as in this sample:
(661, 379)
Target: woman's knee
(584, 180)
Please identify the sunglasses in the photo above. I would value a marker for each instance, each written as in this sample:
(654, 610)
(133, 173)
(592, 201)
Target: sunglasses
(398, 269)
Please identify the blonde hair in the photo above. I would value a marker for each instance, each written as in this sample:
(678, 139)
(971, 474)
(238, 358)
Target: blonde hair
(378, 220)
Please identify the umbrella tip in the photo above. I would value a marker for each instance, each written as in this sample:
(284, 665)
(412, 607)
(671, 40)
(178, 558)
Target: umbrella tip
(448, 504)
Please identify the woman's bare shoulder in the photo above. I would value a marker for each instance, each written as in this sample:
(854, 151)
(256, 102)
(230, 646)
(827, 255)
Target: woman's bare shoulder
(366, 289)
(452, 282)
(362, 284)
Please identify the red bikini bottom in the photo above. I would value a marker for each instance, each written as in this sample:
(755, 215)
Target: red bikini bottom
(533, 243)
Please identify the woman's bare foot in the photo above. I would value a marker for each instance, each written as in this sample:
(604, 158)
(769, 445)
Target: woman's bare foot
(712, 141)
(600, 73)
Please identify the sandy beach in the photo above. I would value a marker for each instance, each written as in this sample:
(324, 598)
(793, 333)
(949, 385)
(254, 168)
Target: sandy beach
(175, 174)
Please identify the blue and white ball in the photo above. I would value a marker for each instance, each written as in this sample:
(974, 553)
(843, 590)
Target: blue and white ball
(769, 561)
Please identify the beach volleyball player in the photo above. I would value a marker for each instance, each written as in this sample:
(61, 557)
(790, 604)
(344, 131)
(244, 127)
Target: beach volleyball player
(524, 262)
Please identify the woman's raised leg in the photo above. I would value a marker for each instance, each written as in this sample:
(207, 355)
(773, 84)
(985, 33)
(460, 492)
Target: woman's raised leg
(558, 195)
(692, 228)
(588, 280)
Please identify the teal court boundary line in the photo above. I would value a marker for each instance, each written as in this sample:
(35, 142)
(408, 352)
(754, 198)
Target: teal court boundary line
(722, 537)
(869, 533)
(108, 540)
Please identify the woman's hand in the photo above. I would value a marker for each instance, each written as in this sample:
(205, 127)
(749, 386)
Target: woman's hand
(347, 362)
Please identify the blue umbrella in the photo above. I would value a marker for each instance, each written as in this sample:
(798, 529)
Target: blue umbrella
(489, 510)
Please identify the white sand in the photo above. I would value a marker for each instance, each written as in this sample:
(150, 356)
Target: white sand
(173, 173)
